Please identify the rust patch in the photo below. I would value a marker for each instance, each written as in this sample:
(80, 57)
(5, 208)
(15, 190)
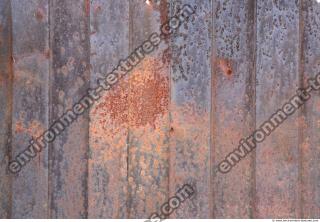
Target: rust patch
(97, 9)
(19, 127)
(149, 94)
(39, 14)
(47, 54)
(147, 99)
(164, 12)
(114, 104)
(225, 66)
(34, 128)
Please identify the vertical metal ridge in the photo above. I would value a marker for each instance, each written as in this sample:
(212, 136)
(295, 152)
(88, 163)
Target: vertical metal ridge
(50, 2)
(254, 203)
(301, 112)
(213, 168)
(130, 40)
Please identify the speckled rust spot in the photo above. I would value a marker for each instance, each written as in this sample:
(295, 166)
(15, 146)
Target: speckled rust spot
(225, 66)
(148, 97)
(114, 104)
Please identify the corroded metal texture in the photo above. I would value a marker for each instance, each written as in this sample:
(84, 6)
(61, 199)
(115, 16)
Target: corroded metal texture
(6, 106)
(178, 113)
(278, 75)
(190, 110)
(69, 81)
(108, 132)
(233, 103)
(30, 45)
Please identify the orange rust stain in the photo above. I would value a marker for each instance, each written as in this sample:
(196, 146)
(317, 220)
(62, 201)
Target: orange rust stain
(34, 128)
(149, 95)
(140, 99)
(225, 66)
(19, 127)
(114, 104)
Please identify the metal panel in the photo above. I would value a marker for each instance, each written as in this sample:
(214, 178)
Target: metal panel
(277, 159)
(171, 121)
(6, 106)
(190, 110)
(30, 105)
(69, 42)
(310, 119)
(109, 40)
(148, 119)
(233, 103)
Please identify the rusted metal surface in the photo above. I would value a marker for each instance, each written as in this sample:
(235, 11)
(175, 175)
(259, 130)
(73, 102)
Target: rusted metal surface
(69, 81)
(310, 116)
(108, 134)
(277, 75)
(6, 106)
(190, 110)
(171, 121)
(233, 103)
(148, 114)
(30, 44)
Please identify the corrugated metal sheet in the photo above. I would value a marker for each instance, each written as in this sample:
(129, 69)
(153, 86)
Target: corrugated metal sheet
(171, 122)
